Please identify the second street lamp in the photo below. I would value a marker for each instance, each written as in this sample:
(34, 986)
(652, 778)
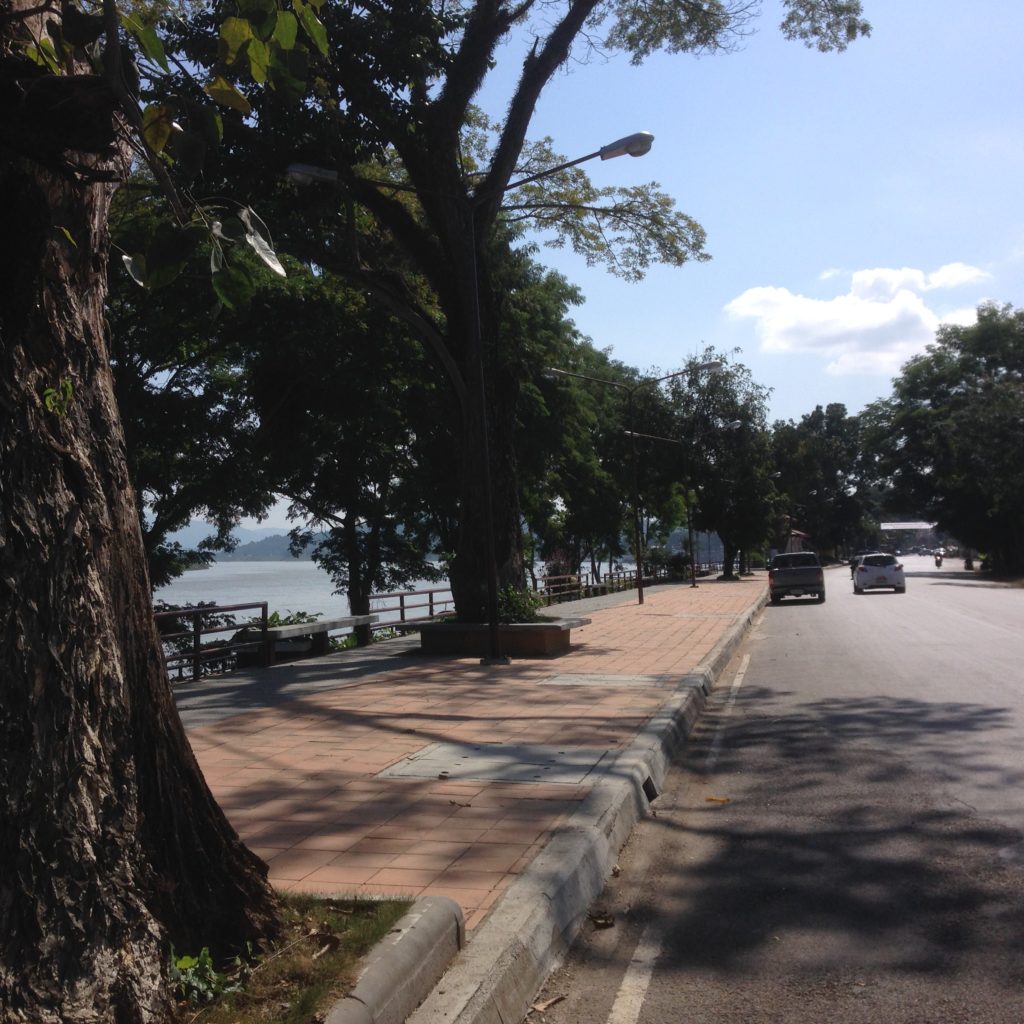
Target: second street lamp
(473, 391)
(631, 390)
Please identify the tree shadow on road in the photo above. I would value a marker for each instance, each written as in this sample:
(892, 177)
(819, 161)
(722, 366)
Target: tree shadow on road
(833, 835)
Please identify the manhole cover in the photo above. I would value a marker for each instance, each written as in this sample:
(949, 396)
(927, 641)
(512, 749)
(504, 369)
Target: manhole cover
(568, 679)
(500, 762)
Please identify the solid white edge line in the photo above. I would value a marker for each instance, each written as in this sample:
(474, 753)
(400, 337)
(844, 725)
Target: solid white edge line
(716, 741)
(630, 998)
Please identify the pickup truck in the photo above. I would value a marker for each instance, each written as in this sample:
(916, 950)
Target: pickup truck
(795, 574)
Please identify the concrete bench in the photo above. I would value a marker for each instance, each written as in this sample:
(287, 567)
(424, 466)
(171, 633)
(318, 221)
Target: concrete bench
(318, 631)
(544, 638)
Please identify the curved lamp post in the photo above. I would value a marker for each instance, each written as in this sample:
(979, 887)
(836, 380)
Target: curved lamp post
(631, 390)
(636, 144)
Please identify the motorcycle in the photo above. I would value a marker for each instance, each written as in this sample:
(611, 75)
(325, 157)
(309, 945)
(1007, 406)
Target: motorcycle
(938, 560)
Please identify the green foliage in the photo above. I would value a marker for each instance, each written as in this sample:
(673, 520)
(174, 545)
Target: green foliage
(57, 399)
(291, 618)
(950, 439)
(197, 981)
(516, 604)
(821, 475)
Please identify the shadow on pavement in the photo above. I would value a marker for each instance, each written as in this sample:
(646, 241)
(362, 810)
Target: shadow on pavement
(833, 844)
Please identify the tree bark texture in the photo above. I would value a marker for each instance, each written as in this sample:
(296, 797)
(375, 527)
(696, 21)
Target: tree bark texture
(490, 433)
(111, 844)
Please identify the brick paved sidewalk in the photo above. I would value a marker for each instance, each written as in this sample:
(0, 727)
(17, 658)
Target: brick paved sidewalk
(446, 777)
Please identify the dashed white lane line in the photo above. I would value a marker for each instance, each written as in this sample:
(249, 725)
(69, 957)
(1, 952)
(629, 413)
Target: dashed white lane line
(716, 741)
(630, 998)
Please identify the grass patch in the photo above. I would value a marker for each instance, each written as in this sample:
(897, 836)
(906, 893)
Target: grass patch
(312, 965)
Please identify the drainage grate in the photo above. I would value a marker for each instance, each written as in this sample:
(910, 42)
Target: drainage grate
(500, 762)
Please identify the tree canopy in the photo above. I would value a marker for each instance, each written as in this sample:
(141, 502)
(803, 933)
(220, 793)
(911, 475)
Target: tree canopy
(950, 439)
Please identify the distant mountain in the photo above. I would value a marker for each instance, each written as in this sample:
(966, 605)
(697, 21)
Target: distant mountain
(268, 549)
(197, 530)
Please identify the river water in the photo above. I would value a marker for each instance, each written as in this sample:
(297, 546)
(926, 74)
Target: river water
(294, 586)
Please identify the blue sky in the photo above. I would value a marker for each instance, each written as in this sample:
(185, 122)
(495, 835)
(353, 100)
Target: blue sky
(852, 201)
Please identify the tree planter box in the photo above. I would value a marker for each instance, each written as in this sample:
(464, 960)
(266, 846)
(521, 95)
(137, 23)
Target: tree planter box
(517, 640)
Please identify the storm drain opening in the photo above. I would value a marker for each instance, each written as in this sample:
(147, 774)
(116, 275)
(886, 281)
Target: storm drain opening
(650, 790)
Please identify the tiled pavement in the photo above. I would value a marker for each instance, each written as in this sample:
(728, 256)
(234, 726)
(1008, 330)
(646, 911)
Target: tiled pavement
(396, 780)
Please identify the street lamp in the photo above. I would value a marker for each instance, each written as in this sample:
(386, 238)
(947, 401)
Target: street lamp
(637, 144)
(631, 390)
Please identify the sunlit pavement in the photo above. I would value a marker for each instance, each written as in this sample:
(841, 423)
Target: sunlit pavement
(440, 776)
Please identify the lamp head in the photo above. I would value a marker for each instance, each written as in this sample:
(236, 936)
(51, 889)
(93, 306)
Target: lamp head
(636, 144)
(306, 174)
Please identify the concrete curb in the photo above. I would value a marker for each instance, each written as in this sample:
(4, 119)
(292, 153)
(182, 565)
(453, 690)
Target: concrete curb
(495, 978)
(405, 966)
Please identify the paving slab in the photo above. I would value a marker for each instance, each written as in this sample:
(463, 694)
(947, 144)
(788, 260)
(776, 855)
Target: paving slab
(387, 773)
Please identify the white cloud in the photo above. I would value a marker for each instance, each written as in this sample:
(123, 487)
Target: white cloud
(873, 329)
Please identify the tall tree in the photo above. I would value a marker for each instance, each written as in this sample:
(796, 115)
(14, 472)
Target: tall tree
(112, 845)
(951, 436)
(399, 88)
(818, 462)
(723, 417)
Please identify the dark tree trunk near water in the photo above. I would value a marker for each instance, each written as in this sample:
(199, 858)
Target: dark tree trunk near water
(111, 844)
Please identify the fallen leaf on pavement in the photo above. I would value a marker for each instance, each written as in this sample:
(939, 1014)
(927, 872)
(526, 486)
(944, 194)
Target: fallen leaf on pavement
(541, 1007)
(718, 799)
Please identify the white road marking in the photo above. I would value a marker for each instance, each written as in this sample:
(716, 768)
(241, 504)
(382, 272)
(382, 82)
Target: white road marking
(716, 741)
(630, 998)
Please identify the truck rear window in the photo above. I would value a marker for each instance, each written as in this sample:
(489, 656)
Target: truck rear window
(796, 560)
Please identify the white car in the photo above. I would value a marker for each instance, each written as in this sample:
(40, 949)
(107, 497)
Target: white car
(879, 570)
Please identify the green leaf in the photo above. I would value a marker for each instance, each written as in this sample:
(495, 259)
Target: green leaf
(221, 91)
(259, 59)
(233, 285)
(153, 47)
(157, 125)
(312, 25)
(234, 34)
(289, 70)
(262, 15)
(286, 30)
(148, 40)
(45, 55)
(67, 234)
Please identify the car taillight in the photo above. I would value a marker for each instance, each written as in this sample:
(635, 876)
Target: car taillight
(821, 575)
(862, 568)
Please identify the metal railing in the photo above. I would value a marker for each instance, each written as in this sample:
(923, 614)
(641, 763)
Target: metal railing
(201, 655)
(400, 609)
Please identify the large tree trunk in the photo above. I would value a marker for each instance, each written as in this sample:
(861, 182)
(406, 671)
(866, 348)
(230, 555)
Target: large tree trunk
(479, 509)
(111, 844)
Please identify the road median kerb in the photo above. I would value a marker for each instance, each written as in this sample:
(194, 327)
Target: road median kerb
(406, 965)
(495, 977)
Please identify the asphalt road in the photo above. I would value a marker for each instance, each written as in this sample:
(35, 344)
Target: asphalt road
(843, 841)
